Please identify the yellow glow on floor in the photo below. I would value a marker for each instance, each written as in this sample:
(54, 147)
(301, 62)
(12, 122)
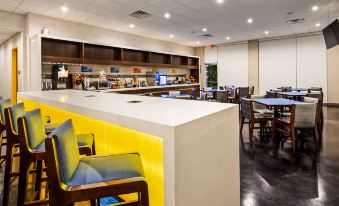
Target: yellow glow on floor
(110, 139)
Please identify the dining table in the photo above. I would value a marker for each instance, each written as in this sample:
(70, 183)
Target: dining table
(173, 96)
(294, 95)
(276, 103)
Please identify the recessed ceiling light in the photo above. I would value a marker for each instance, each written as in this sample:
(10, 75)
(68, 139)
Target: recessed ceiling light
(317, 24)
(198, 42)
(131, 26)
(228, 38)
(220, 1)
(267, 32)
(64, 8)
(171, 35)
(250, 20)
(167, 15)
(204, 29)
(315, 8)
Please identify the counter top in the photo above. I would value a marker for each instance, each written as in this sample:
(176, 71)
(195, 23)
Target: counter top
(150, 87)
(110, 107)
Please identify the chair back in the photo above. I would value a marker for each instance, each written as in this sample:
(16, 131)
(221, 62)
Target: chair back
(304, 115)
(246, 108)
(62, 148)
(12, 115)
(311, 100)
(243, 92)
(3, 105)
(256, 105)
(31, 129)
(251, 91)
(233, 92)
(271, 94)
(222, 96)
(319, 89)
(221, 88)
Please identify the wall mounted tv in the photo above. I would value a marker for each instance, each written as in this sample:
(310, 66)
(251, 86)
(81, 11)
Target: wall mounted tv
(331, 34)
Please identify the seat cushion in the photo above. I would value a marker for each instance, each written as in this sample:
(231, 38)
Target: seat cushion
(94, 169)
(263, 116)
(284, 119)
(264, 111)
(40, 147)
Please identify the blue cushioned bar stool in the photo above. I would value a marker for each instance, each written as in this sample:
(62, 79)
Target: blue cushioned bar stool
(12, 113)
(73, 179)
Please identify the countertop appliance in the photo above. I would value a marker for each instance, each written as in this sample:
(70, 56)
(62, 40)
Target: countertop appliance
(60, 77)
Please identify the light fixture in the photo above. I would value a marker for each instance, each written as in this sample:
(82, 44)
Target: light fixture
(267, 32)
(167, 15)
(317, 24)
(228, 38)
(220, 1)
(171, 35)
(131, 26)
(250, 20)
(64, 8)
(198, 42)
(315, 8)
(204, 29)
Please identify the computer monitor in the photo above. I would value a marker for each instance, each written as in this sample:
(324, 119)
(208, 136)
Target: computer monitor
(163, 80)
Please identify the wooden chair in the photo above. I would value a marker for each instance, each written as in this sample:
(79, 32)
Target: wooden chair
(222, 96)
(303, 117)
(248, 116)
(232, 98)
(221, 88)
(242, 93)
(259, 108)
(12, 114)
(320, 122)
(32, 150)
(318, 89)
(271, 94)
(286, 89)
(72, 179)
(3, 104)
(251, 91)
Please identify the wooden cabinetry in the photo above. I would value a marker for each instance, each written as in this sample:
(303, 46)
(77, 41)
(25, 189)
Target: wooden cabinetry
(61, 51)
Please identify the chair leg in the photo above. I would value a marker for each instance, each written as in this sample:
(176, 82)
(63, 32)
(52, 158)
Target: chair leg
(144, 197)
(251, 134)
(22, 186)
(93, 203)
(293, 140)
(38, 177)
(315, 133)
(8, 171)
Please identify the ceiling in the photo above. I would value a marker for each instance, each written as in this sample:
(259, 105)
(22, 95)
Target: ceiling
(188, 17)
(10, 24)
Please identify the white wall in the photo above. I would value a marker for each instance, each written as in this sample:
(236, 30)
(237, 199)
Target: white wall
(233, 65)
(211, 55)
(93, 34)
(6, 64)
(277, 64)
(296, 62)
(311, 62)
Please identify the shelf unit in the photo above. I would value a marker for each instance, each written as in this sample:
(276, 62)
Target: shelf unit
(71, 52)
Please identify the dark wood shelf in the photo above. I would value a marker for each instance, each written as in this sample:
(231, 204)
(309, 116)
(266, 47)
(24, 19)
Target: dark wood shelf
(101, 62)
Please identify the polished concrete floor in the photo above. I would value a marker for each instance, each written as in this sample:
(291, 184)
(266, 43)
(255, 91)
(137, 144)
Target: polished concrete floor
(275, 181)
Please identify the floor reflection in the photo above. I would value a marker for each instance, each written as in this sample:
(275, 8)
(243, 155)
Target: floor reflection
(270, 180)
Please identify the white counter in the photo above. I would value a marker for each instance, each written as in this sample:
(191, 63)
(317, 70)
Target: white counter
(200, 139)
(150, 87)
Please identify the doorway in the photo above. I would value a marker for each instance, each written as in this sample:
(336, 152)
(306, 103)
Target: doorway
(14, 75)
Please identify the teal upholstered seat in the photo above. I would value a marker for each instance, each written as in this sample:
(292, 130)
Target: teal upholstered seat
(93, 169)
(3, 105)
(17, 110)
(78, 171)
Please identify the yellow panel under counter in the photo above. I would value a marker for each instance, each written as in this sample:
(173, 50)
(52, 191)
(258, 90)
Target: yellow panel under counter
(110, 138)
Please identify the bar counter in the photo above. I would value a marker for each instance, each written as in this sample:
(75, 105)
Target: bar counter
(189, 149)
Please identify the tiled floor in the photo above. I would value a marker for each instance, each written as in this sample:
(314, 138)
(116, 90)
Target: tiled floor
(266, 180)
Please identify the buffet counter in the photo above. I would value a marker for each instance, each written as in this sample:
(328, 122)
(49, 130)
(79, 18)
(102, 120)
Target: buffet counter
(152, 89)
(189, 149)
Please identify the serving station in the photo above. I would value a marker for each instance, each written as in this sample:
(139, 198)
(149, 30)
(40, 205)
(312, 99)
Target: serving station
(189, 149)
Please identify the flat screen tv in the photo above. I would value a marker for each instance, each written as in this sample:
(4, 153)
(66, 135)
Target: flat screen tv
(331, 34)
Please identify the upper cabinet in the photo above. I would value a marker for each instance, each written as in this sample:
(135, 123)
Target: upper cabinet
(61, 51)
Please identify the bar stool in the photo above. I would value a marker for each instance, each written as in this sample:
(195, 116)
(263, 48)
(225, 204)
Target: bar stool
(12, 113)
(73, 179)
(3, 104)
